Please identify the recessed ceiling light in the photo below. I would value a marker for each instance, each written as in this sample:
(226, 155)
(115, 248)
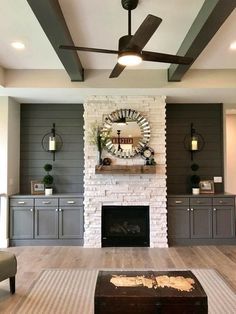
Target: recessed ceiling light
(18, 45)
(233, 46)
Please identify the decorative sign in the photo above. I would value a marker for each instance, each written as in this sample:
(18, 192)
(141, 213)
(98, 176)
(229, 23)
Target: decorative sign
(122, 140)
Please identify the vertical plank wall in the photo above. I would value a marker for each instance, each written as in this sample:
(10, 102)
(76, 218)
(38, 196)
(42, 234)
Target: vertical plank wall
(36, 121)
(208, 121)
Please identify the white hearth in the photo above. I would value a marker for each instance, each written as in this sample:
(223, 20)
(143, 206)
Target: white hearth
(125, 189)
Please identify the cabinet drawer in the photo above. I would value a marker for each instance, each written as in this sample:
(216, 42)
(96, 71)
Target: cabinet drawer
(201, 201)
(75, 201)
(46, 202)
(178, 201)
(223, 201)
(22, 202)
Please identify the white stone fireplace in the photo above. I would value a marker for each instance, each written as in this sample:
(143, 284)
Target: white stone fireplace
(125, 189)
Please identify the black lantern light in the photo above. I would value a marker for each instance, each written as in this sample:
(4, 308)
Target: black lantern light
(52, 141)
(194, 141)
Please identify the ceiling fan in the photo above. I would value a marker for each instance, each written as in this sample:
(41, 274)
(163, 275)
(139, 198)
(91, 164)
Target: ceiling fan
(131, 46)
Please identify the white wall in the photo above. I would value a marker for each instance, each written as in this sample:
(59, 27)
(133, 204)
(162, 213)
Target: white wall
(9, 159)
(230, 158)
(13, 147)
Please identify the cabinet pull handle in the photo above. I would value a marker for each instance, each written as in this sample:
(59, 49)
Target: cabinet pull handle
(192, 209)
(199, 202)
(178, 202)
(70, 202)
(221, 202)
(46, 202)
(31, 209)
(214, 209)
(21, 202)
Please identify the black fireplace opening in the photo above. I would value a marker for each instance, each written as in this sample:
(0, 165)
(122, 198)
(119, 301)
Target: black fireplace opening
(125, 226)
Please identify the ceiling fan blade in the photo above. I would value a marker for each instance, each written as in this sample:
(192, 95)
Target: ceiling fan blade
(88, 49)
(117, 70)
(145, 31)
(166, 58)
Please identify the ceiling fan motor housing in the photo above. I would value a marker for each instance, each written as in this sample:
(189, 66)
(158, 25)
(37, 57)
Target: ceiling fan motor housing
(129, 4)
(124, 44)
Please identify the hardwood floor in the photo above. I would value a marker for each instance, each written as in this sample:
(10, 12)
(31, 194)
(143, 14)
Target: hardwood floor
(31, 261)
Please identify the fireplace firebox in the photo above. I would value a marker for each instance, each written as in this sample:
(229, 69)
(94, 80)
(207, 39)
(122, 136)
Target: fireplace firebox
(125, 226)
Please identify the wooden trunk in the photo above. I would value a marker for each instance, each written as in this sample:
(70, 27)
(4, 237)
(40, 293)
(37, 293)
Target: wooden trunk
(110, 299)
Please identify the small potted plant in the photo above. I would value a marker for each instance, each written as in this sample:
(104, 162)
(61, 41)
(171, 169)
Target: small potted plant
(195, 180)
(48, 179)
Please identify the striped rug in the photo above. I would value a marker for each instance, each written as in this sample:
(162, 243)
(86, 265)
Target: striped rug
(71, 291)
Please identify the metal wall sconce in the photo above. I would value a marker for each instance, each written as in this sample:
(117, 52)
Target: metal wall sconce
(52, 141)
(193, 142)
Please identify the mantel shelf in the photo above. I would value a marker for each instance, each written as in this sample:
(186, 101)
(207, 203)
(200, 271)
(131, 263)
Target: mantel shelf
(125, 169)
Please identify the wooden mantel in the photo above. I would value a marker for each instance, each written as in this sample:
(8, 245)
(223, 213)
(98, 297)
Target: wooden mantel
(125, 169)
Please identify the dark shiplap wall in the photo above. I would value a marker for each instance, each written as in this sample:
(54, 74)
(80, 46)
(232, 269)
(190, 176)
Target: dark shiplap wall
(207, 120)
(36, 121)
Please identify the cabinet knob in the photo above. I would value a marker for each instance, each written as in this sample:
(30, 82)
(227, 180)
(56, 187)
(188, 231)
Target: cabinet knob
(56, 210)
(31, 209)
(188, 209)
(221, 202)
(199, 202)
(60, 210)
(214, 209)
(191, 209)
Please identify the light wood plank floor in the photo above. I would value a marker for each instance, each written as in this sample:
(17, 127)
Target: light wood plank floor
(32, 260)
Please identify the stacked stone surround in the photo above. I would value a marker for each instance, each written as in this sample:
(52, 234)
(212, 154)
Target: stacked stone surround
(125, 189)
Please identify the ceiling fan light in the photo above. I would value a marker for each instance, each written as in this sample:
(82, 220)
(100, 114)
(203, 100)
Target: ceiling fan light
(129, 58)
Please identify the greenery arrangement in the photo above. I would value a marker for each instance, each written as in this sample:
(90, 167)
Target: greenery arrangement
(48, 179)
(195, 179)
(98, 136)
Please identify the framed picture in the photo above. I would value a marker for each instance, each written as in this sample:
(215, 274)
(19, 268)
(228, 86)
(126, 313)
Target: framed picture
(206, 186)
(37, 187)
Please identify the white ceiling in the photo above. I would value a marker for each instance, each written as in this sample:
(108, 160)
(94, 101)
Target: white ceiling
(99, 24)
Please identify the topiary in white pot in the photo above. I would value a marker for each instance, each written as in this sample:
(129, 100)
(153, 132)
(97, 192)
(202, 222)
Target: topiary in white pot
(48, 180)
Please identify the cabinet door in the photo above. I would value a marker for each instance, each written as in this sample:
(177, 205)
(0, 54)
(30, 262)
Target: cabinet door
(223, 222)
(21, 223)
(46, 223)
(70, 222)
(201, 222)
(178, 222)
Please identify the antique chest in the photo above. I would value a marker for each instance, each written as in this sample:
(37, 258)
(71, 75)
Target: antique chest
(140, 299)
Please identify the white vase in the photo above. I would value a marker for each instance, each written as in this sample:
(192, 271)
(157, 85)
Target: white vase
(48, 191)
(195, 191)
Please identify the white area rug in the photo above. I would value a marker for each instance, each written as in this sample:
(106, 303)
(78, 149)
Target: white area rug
(71, 291)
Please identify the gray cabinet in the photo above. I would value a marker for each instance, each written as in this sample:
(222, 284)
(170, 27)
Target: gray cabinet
(22, 218)
(223, 218)
(49, 220)
(201, 217)
(46, 223)
(201, 220)
(46, 218)
(21, 223)
(71, 218)
(178, 222)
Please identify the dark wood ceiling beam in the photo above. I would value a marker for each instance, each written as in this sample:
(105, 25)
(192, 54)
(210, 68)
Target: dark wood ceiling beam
(51, 19)
(209, 19)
